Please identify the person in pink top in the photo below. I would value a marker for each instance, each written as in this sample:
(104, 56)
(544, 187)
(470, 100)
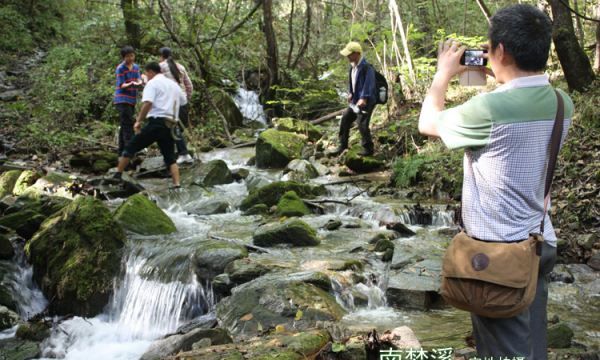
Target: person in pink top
(177, 73)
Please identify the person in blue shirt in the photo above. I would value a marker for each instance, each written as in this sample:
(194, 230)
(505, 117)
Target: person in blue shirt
(361, 99)
(128, 80)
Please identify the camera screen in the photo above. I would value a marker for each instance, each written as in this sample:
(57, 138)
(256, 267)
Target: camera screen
(474, 58)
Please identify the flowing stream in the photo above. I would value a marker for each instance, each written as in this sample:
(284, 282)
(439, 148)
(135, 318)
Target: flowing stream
(158, 291)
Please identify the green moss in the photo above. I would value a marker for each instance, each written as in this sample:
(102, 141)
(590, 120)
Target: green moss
(36, 331)
(383, 245)
(258, 209)
(102, 166)
(25, 180)
(213, 173)
(559, 336)
(361, 164)
(7, 182)
(6, 249)
(270, 194)
(75, 256)
(315, 303)
(291, 204)
(140, 215)
(355, 265)
(294, 232)
(275, 149)
(300, 127)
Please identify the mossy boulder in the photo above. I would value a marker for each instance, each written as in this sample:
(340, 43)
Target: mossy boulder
(212, 256)
(75, 256)
(142, 216)
(6, 297)
(281, 345)
(294, 232)
(176, 343)
(16, 349)
(25, 180)
(276, 299)
(559, 336)
(291, 205)
(271, 193)
(54, 182)
(243, 270)
(212, 173)
(301, 170)
(228, 108)
(25, 222)
(7, 182)
(275, 149)
(258, 209)
(6, 249)
(35, 331)
(362, 164)
(299, 127)
(8, 318)
(94, 161)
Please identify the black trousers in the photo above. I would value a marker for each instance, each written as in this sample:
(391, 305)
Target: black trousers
(183, 117)
(363, 119)
(154, 131)
(126, 121)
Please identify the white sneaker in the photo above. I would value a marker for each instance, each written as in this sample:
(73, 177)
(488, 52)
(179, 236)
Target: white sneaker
(185, 159)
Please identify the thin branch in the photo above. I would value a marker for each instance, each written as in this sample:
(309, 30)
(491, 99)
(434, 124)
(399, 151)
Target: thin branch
(220, 28)
(484, 10)
(236, 26)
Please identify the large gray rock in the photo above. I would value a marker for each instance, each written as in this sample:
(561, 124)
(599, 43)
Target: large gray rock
(276, 299)
(244, 270)
(212, 173)
(405, 254)
(210, 207)
(275, 149)
(213, 256)
(8, 318)
(415, 286)
(183, 342)
(300, 170)
(294, 232)
(141, 215)
(17, 349)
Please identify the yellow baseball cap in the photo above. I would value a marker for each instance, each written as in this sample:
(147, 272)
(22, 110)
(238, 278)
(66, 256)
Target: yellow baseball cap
(351, 47)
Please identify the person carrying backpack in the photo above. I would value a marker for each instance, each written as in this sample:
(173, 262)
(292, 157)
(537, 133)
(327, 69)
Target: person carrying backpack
(363, 95)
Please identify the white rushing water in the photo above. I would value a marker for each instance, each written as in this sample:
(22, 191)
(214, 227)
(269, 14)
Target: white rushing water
(249, 105)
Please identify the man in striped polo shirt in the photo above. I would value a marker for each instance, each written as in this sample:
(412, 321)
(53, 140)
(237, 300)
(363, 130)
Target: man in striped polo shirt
(128, 80)
(506, 136)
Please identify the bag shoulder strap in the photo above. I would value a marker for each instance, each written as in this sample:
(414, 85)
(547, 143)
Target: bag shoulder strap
(555, 140)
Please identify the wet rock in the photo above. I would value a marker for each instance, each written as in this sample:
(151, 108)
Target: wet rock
(212, 173)
(6, 249)
(273, 300)
(300, 170)
(559, 336)
(561, 273)
(405, 254)
(332, 225)
(97, 162)
(321, 169)
(54, 182)
(299, 127)
(415, 287)
(183, 342)
(11, 95)
(275, 149)
(294, 232)
(16, 349)
(291, 205)
(142, 216)
(109, 188)
(587, 241)
(271, 193)
(383, 245)
(594, 261)
(25, 222)
(256, 181)
(75, 256)
(240, 174)
(258, 209)
(281, 345)
(210, 207)
(213, 256)
(221, 285)
(244, 270)
(7, 182)
(361, 164)
(25, 180)
(36, 331)
(401, 229)
(388, 235)
(8, 318)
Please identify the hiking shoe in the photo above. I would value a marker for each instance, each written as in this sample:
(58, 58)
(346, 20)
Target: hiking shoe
(185, 159)
(365, 152)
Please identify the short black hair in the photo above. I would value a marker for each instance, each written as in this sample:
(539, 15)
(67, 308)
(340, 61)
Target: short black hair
(526, 34)
(152, 66)
(126, 50)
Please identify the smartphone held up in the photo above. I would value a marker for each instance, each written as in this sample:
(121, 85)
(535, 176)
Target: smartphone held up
(473, 76)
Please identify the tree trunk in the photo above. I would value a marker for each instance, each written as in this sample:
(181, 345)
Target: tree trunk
(574, 62)
(132, 28)
(597, 55)
(305, 34)
(484, 10)
(272, 55)
(578, 24)
(291, 35)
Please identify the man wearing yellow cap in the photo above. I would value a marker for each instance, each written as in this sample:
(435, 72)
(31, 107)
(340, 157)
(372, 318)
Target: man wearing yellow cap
(361, 99)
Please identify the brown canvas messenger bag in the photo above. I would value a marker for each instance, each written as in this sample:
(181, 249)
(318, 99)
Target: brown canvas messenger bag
(498, 279)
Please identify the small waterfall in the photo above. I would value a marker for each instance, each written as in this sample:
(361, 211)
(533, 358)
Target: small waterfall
(371, 290)
(249, 105)
(19, 280)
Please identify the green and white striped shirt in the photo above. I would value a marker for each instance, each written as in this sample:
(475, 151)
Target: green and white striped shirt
(506, 136)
